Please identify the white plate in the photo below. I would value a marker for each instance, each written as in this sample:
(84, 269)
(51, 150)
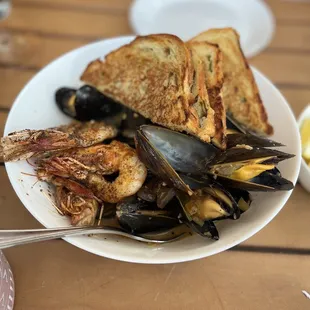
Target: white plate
(187, 18)
(35, 108)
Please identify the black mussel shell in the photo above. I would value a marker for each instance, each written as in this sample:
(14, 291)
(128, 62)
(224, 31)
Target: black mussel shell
(209, 185)
(196, 182)
(239, 154)
(184, 153)
(86, 103)
(156, 190)
(164, 196)
(157, 164)
(207, 230)
(92, 104)
(131, 122)
(65, 100)
(230, 205)
(204, 229)
(275, 171)
(167, 234)
(234, 125)
(251, 140)
(205, 226)
(138, 216)
(265, 182)
(243, 198)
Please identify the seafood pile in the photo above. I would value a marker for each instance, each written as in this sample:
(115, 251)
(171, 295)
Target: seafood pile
(112, 162)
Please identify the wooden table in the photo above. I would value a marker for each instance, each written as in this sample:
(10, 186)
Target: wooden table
(268, 271)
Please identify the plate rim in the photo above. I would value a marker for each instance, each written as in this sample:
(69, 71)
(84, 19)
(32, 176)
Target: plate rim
(155, 260)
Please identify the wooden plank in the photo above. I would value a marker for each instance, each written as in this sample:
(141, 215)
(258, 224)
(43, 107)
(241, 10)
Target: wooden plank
(293, 11)
(284, 68)
(288, 228)
(11, 83)
(89, 4)
(229, 281)
(287, 10)
(291, 38)
(3, 117)
(34, 50)
(38, 49)
(67, 22)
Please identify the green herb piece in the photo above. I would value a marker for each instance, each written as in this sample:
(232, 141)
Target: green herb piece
(210, 63)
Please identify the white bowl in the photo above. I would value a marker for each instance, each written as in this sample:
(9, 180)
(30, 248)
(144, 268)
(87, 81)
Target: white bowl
(186, 18)
(304, 174)
(35, 108)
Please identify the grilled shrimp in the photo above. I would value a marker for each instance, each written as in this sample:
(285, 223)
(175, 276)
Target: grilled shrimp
(81, 209)
(28, 143)
(94, 166)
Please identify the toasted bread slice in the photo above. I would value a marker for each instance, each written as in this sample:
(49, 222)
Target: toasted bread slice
(153, 75)
(240, 92)
(200, 94)
(211, 57)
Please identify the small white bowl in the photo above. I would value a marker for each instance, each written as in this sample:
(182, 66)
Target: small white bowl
(35, 108)
(304, 174)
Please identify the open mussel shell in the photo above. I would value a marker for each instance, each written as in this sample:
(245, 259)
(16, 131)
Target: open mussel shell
(184, 153)
(241, 154)
(138, 216)
(86, 103)
(242, 197)
(238, 134)
(157, 191)
(234, 126)
(235, 139)
(265, 182)
(205, 228)
(157, 163)
(206, 205)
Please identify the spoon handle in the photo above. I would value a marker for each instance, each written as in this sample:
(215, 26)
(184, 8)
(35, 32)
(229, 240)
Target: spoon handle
(10, 238)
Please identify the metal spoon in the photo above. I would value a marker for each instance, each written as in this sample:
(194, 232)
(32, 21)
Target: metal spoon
(10, 238)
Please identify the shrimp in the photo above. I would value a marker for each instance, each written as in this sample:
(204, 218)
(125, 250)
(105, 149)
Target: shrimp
(81, 209)
(95, 166)
(28, 143)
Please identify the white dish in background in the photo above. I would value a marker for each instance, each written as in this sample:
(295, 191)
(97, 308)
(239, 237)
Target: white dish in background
(186, 18)
(304, 174)
(35, 108)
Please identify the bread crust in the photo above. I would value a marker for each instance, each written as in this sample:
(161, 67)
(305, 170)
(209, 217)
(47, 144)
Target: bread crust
(240, 92)
(154, 76)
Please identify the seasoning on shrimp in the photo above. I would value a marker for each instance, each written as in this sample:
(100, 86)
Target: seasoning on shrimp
(28, 143)
(93, 167)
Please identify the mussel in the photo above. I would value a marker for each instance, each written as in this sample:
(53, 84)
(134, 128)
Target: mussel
(166, 152)
(243, 198)
(173, 157)
(86, 103)
(206, 205)
(157, 191)
(239, 135)
(138, 216)
(248, 168)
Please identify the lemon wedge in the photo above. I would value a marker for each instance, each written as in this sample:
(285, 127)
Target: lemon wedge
(305, 139)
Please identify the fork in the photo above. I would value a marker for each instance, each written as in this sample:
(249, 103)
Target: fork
(11, 238)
